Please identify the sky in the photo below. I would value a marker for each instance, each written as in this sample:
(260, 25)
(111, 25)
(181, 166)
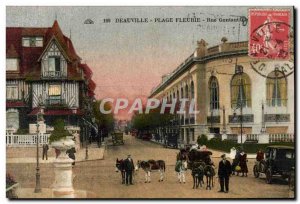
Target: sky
(129, 59)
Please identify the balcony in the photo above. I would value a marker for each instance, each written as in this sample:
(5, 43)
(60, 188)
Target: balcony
(54, 74)
(55, 102)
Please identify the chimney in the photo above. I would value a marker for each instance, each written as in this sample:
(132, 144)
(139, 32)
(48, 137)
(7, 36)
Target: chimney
(201, 50)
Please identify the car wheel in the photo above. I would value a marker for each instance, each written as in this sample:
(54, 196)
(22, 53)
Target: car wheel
(255, 171)
(268, 176)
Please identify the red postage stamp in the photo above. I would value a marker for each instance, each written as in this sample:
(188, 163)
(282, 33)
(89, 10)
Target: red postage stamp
(269, 31)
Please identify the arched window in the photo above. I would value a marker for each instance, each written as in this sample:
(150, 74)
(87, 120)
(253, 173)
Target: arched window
(192, 90)
(181, 92)
(178, 95)
(276, 89)
(186, 91)
(214, 93)
(240, 90)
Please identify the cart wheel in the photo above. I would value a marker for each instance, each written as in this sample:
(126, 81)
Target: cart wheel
(269, 176)
(255, 171)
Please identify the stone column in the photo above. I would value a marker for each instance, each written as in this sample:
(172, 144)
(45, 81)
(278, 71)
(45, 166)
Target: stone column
(244, 137)
(210, 136)
(224, 136)
(263, 138)
(63, 183)
(77, 141)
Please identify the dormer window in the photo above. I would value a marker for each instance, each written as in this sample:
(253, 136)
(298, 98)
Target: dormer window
(32, 41)
(12, 64)
(54, 64)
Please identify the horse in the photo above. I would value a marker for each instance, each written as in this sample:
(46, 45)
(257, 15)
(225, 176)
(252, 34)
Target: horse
(182, 155)
(152, 165)
(121, 167)
(197, 174)
(181, 168)
(209, 173)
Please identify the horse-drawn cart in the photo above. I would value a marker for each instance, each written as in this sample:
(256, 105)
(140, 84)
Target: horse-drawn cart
(194, 156)
(117, 138)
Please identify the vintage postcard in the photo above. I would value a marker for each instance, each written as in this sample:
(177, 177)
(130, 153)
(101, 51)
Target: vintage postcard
(150, 102)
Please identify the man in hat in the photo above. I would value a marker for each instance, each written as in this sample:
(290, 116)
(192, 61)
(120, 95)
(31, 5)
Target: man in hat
(45, 151)
(224, 173)
(129, 168)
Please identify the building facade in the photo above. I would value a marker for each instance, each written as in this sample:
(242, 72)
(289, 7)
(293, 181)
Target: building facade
(232, 90)
(44, 71)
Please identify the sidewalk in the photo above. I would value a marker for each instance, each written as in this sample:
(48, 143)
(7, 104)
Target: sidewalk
(216, 153)
(94, 153)
(47, 193)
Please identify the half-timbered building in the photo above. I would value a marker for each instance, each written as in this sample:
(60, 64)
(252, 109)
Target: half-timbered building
(44, 70)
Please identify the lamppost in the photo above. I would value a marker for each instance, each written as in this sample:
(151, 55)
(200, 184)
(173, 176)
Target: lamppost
(86, 143)
(239, 70)
(263, 125)
(211, 120)
(224, 120)
(37, 175)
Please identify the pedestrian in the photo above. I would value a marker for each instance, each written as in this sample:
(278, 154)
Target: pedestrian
(71, 153)
(224, 173)
(180, 168)
(129, 168)
(45, 151)
(236, 161)
(243, 163)
(57, 152)
(260, 156)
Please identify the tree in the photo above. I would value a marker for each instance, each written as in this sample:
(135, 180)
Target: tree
(154, 119)
(59, 131)
(202, 140)
(105, 122)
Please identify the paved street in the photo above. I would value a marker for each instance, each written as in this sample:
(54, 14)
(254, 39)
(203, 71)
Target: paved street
(100, 177)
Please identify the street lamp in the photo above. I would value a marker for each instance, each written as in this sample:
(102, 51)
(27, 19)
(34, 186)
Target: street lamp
(86, 142)
(224, 120)
(38, 176)
(239, 70)
(211, 120)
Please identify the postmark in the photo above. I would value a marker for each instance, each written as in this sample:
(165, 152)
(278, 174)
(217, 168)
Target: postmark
(269, 31)
(264, 68)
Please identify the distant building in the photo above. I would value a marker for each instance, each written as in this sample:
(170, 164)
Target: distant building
(44, 70)
(213, 76)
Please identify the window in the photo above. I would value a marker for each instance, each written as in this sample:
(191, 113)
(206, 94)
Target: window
(12, 118)
(54, 90)
(12, 64)
(214, 93)
(192, 90)
(181, 92)
(186, 91)
(32, 41)
(276, 89)
(12, 92)
(54, 93)
(240, 90)
(54, 64)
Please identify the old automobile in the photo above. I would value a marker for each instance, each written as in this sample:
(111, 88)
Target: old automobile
(279, 161)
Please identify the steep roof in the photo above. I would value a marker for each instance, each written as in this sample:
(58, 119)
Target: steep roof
(86, 70)
(29, 56)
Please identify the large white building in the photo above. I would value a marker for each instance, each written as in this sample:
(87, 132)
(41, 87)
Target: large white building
(221, 79)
